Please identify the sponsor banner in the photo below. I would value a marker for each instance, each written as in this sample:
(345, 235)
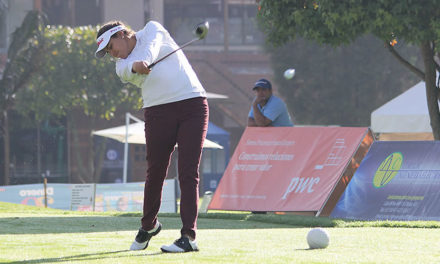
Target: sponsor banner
(286, 169)
(395, 181)
(58, 195)
(83, 195)
(119, 197)
(130, 197)
(109, 197)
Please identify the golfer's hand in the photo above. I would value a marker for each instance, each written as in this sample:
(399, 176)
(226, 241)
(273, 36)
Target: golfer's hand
(140, 67)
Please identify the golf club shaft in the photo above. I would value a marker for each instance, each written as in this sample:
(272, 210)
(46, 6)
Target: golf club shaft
(171, 53)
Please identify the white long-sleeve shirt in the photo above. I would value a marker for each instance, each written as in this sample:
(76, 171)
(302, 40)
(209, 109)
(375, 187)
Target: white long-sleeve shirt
(171, 80)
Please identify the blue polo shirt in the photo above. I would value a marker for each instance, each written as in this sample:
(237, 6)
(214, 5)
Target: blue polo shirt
(276, 110)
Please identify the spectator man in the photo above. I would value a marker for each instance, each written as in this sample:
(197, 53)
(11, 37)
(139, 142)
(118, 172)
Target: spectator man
(267, 109)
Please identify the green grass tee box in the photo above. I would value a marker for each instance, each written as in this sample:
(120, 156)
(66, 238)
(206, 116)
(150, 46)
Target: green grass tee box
(37, 235)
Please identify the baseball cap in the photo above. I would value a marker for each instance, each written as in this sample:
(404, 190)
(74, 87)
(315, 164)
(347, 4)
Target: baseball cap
(103, 40)
(263, 83)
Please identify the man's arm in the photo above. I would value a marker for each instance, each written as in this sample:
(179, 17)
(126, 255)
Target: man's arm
(251, 122)
(259, 119)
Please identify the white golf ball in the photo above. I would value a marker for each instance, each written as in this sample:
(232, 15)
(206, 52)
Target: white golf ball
(318, 238)
(289, 73)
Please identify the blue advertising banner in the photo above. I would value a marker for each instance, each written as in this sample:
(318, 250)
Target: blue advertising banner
(126, 197)
(397, 180)
(58, 195)
(130, 197)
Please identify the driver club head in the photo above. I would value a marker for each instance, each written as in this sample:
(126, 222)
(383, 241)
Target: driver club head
(201, 30)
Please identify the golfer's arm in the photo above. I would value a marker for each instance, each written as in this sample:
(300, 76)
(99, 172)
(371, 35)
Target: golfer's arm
(140, 67)
(154, 38)
(125, 71)
(260, 119)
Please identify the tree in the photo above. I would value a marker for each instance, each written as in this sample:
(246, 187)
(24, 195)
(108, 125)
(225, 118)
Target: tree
(69, 80)
(24, 55)
(339, 85)
(337, 22)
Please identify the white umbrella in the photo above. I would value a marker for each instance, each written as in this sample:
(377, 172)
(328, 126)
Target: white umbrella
(216, 96)
(134, 134)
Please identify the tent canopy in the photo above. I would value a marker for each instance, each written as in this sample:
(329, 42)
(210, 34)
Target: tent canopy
(136, 135)
(215, 130)
(406, 113)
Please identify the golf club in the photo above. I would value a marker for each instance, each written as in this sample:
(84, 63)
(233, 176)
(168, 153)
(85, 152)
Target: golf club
(200, 32)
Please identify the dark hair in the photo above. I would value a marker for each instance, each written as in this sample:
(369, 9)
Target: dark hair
(113, 24)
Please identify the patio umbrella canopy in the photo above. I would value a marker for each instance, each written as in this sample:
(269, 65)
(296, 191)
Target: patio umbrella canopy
(136, 135)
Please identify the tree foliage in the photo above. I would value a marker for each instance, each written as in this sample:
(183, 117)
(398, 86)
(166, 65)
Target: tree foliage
(69, 79)
(337, 22)
(24, 55)
(339, 86)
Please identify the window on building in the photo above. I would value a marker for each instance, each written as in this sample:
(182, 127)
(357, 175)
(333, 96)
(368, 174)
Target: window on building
(72, 13)
(207, 161)
(243, 28)
(87, 12)
(213, 161)
(3, 26)
(182, 16)
(147, 11)
(25, 165)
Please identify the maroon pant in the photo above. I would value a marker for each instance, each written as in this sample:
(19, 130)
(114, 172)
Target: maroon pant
(185, 123)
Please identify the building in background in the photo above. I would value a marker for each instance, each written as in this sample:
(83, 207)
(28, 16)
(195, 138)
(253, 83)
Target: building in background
(227, 62)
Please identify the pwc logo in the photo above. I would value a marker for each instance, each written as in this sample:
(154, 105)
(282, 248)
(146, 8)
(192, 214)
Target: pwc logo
(299, 185)
(387, 169)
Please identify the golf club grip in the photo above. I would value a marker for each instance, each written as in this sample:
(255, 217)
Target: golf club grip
(171, 53)
(164, 57)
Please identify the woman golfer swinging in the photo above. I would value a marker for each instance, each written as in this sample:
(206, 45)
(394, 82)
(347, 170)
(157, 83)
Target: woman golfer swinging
(175, 111)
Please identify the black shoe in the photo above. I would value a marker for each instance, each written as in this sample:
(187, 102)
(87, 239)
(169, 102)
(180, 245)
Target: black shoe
(183, 244)
(143, 237)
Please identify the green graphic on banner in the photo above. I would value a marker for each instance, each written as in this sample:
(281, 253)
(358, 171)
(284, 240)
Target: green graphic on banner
(408, 171)
(388, 169)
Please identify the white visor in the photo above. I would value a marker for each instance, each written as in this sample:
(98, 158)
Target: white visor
(103, 40)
